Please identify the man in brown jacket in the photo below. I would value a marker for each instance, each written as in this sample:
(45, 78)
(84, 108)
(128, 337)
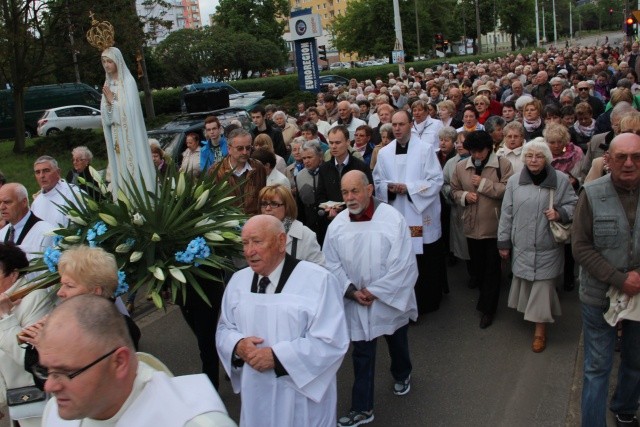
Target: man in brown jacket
(246, 176)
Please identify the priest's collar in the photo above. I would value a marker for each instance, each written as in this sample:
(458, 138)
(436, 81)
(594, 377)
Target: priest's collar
(365, 215)
(274, 278)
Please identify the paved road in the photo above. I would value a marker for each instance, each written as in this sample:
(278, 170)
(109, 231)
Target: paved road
(462, 375)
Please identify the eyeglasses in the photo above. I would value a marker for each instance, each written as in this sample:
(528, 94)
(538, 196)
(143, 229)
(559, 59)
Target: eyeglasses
(243, 148)
(44, 374)
(622, 158)
(272, 205)
(581, 89)
(534, 156)
(478, 103)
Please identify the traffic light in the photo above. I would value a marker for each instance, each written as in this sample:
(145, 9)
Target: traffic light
(630, 24)
(322, 52)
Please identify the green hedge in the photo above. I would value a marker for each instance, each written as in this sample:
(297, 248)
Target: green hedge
(283, 90)
(165, 101)
(61, 144)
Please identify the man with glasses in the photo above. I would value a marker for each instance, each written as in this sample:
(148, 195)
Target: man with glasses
(599, 143)
(92, 370)
(584, 96)
(246, 176)
(606, 242)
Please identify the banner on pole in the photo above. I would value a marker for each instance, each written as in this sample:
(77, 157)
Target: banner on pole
(307, 61)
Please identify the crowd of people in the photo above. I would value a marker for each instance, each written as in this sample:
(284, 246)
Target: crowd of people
(357, 206)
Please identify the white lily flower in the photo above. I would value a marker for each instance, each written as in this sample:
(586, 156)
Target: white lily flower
(177, 274)
(181, 184)
(108, 219)
(201, 200)
(155, 237)
(135, 257)
(138, 219)
(213, 236)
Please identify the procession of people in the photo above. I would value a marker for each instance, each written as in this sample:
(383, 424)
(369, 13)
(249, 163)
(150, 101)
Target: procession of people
(523, 169)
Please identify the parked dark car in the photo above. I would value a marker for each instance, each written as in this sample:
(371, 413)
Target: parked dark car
(332, 78)
(172, 136)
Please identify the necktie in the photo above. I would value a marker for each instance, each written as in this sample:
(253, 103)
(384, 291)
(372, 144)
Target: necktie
(262, 285)
(10, 234)
(340, 166)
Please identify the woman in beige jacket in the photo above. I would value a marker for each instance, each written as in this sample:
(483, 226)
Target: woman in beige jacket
(478, 185)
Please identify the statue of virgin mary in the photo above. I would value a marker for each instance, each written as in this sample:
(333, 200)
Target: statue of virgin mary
(125, 133)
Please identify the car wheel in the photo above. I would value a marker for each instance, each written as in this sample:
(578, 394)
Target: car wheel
(53, 131)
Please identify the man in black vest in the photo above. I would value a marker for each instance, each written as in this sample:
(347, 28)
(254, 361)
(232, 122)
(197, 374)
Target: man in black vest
(23, 228)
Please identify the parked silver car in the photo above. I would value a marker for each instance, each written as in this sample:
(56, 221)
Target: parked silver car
(72, 116)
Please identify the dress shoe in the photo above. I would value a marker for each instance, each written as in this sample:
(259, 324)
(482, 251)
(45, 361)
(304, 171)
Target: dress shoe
(539, 343)
(486, 321)
(626, 420)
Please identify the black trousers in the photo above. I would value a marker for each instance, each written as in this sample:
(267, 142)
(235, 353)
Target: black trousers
(485, 265)
(432, 276)
(203, 319)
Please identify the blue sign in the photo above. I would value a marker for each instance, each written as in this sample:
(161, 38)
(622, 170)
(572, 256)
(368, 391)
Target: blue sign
(307, 62)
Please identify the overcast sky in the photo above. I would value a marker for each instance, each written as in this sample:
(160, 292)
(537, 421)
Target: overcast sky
(207, 7)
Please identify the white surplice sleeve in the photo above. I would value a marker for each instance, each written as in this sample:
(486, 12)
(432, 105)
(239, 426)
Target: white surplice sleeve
(424, 187)
(395, 288)
(313, 360)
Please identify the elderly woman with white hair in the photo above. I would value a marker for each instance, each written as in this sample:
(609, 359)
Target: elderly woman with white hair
(536, 196)
(289, 130)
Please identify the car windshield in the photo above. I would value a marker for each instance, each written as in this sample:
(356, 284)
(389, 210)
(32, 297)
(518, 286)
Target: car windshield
(168, 141)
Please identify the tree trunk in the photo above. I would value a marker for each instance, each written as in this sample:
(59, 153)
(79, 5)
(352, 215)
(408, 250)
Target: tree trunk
(513, 42)
(18, 109)
(148, 96)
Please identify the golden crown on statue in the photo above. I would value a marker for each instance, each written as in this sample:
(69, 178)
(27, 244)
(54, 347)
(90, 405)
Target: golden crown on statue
(101, 34)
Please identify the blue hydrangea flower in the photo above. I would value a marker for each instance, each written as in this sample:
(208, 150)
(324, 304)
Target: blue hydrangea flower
(123, 286)
(197, 248)
(100, 228)
(91, 235)
(51, 257)
(130, 242)
(56, 240)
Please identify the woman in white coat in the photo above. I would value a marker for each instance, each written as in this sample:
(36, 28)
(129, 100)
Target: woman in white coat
(276, 200)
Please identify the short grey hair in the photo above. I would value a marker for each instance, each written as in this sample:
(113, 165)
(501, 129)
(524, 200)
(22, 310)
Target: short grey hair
(279, 114)
(314, 145)
(237, 133)
(537, 144)
(514, 125)
(83, 151)
(45, 159)
(447, 132)
(493, 122)
(387, 127)
(568, 93)
(622, 108)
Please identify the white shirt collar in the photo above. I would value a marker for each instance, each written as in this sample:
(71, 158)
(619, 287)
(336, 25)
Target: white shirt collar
(274, 278)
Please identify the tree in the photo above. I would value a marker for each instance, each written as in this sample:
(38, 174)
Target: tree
(372, 20)
(256, 17)
(23, 48)
(515, 18)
